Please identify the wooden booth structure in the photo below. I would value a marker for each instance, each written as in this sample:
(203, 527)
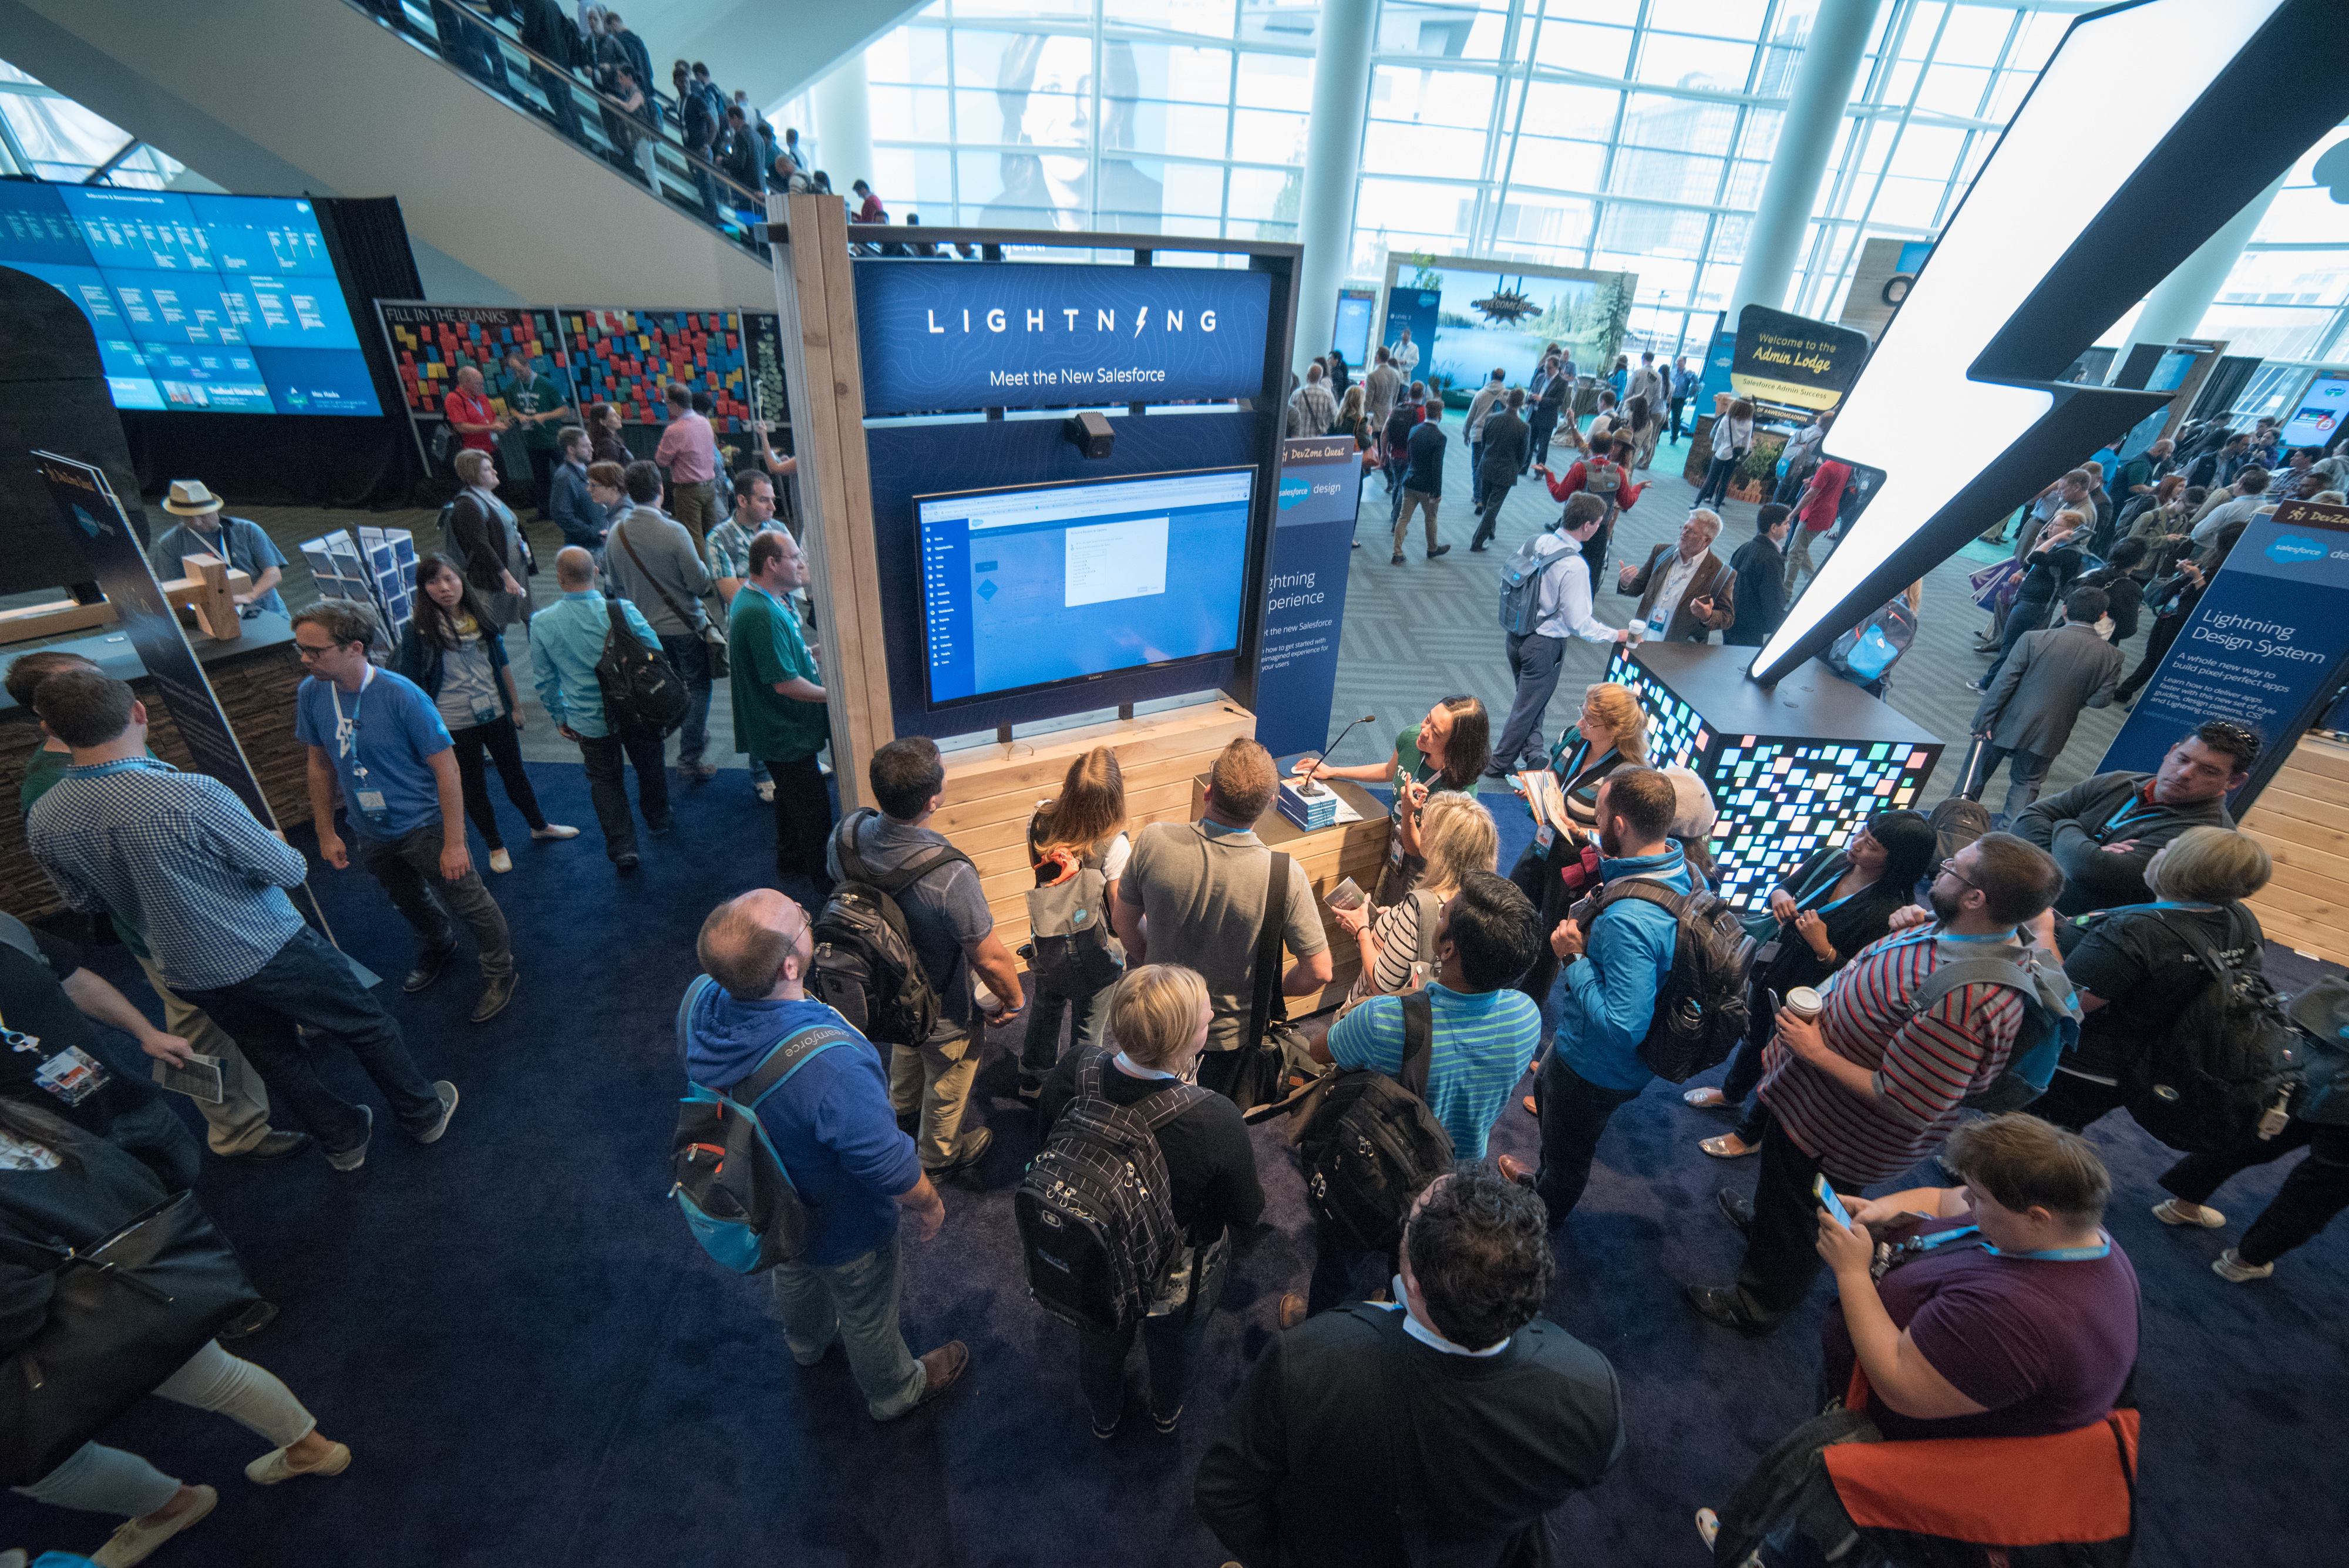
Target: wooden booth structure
(875, 430)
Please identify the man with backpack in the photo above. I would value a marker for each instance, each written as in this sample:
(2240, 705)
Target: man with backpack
(827, 1123)
(1545, 599)
(567, 642)
(925, 893)
(1875, 1082)
(1476, 1034)
(1618, 954)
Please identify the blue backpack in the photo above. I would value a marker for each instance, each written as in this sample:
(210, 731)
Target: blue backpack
(737, 1197)
(2051, 1021)
(1521, 577)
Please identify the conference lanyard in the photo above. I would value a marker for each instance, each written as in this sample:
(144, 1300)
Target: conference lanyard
(370, 802)
(2044, 1254)
(2137, 811)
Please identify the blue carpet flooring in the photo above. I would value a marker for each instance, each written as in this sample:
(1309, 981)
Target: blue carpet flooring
(533, 1364)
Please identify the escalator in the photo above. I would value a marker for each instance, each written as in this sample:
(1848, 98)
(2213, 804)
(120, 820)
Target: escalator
(504, 163)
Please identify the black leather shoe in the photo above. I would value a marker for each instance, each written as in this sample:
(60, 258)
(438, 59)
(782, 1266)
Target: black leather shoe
(1439, 550)
(497, 989)
(1718, 1304)
(624, 864)
(279, 1145)
(1737, 1211)
(248, 1323)
(428, 968)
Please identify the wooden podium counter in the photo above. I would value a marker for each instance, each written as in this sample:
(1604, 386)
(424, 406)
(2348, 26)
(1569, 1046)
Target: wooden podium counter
(1329, 856)
(2301, 819)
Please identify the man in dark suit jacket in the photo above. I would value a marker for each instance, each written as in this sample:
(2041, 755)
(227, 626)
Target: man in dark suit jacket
(1505, 443)
(1444, 1428)
(1761, 570)
(1686, 586)
(2028, 714)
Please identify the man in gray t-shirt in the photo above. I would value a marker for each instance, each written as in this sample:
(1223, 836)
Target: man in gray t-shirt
(953, 935)
(1193, 894)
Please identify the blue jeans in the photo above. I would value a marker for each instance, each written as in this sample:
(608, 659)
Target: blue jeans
(1534, 661)
(1039, 1052)
(2024, 615)
(1172, 1342)
(308, 981)
(690, 658)
(856, 1303)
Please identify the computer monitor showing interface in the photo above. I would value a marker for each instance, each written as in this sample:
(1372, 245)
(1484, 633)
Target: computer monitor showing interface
(1034, 586)
(200, 303)
(2316, 416)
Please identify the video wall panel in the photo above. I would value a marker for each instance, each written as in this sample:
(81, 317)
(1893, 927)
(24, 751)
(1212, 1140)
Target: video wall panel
(200, 303)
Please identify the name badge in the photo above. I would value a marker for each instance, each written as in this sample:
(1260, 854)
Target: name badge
(1544, 836)
(486, 711)
(71, 1075)
(371, 806)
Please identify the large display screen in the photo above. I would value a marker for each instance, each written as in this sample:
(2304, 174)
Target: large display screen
(2316, 417)
(200, 304)
(1047, 584)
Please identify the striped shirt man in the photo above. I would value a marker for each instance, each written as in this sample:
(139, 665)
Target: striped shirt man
(1922, 1065)
(1484, 1041)
(178, 856)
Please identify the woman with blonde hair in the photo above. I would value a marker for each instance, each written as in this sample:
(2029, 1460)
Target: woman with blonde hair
(1083, 830)
(1158, 1016)
(1561, 863)
(1458, 835)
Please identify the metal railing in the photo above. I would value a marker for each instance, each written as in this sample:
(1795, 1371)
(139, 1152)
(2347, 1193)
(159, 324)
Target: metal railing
(647, 146)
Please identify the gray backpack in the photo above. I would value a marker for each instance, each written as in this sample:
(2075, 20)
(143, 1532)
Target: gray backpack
(1071, 950)
(1521, 579)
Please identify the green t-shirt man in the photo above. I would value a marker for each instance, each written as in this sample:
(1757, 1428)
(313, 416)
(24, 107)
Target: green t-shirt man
(764, 645)
(532, 393)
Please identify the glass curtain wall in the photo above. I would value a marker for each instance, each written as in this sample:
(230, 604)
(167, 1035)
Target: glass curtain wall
(47, 135)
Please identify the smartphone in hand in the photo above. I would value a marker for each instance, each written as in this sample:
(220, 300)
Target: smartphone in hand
(1830, 1201)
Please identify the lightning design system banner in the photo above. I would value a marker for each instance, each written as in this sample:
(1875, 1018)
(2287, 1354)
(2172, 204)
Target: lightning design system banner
(1312, 546)
(2265, 647)
(1021, 335)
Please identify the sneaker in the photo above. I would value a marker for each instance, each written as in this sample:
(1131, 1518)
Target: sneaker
(1030, 1088)
(353, 1157)
(500, 861)
(624, 864)
(497, 989)
(2169, 1213)
(134, 1541)
(1166, 1423)
(554, 830)
(276, 1145)
(270, 1468)
(2229, 1266)
(448, 1093)
(766, 788)
(1105, 1433)
(248, 1323)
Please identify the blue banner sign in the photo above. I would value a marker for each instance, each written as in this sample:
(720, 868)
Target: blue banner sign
(940, 336)
(2264, 646)
(1312, 546)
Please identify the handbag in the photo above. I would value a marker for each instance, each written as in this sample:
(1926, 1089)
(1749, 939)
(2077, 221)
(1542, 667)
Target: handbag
(125, 1312)
(713, 640)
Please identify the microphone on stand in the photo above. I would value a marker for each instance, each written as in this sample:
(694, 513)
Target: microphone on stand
(1314, 785)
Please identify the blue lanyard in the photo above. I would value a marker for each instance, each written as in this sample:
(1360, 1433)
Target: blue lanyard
(2173, 904)
(347, 731)
(2137, 811)
(2044, 1254)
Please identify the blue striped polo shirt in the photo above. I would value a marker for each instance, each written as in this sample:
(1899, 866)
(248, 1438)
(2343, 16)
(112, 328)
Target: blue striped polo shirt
(1484, 1042)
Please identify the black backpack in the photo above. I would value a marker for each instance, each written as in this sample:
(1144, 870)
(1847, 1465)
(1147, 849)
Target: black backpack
(726, 1175)
(1097, 1226)
(641, 690)
(2224, 1075)
(1700, 1012)
(865, 965)
(1371, 1144)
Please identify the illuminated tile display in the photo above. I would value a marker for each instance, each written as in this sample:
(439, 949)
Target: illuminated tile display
(1781, 796)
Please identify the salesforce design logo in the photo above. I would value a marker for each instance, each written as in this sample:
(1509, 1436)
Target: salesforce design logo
(1293, 490)
(2290, 549)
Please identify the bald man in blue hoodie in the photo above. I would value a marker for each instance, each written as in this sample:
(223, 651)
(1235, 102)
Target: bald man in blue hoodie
(833, 1128)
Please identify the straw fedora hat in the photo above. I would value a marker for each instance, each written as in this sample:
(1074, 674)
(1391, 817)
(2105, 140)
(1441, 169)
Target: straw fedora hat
(189, 498)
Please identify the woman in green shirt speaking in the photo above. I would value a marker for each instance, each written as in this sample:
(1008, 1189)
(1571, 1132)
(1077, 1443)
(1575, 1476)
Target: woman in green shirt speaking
(1449, 750)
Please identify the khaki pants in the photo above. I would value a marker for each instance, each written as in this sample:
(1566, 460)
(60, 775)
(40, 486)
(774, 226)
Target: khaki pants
(242, 1118)
(694, 507)
(1798, 556)
(936, 1078)
(1412, 499)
